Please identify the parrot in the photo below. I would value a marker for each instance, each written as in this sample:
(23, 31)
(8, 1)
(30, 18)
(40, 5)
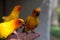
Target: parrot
(7, 28)
(14, 14)
(32, 21)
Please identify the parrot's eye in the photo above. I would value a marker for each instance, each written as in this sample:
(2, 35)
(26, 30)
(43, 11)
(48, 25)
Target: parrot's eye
(36, 12)
(19, 21)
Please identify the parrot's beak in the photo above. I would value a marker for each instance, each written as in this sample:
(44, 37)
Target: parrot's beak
(37, 14)
(23, 24)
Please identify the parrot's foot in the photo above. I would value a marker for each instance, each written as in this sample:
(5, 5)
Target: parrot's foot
(32, 31)
(25, 32)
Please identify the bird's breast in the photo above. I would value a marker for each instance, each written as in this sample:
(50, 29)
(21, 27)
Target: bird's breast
(6, 30)
(32, 23)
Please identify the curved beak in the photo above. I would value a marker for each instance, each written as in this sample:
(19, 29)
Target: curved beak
(23, 24)
(37, 14)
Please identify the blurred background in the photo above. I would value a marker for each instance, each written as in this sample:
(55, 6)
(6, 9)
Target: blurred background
(49, 27)
(55, 21)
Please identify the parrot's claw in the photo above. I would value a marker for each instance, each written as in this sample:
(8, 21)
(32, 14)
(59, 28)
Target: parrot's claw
(26, 32)
(33, 32)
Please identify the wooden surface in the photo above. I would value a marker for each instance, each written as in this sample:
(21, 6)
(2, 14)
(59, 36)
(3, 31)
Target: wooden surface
(24, 36)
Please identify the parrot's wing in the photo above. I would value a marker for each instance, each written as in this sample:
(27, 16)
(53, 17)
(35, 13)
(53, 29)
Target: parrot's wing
(25, 28)
(37, 23)
(27, 19)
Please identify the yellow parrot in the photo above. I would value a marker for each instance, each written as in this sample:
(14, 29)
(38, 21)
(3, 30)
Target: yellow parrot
(32, 21)
(7, 28)
(14, 14)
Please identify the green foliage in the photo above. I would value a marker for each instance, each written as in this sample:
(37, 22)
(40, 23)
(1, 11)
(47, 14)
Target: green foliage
(59, 2)
(55, 31)
(58, 11)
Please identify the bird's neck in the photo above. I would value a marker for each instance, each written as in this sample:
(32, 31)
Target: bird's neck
(34, 16)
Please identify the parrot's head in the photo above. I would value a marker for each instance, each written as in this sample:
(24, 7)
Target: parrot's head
(17, 8)
(18, 23)
(36, 11)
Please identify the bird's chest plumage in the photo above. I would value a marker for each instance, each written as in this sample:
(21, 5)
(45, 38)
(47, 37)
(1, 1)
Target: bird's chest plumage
(6, 30)
(32, 23)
